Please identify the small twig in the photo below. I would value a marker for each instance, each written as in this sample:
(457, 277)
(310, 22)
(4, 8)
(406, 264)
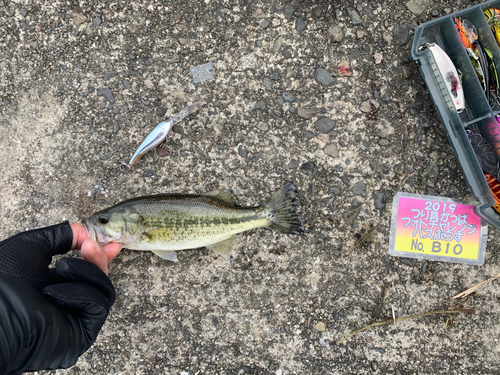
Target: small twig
(393, 315)
(474, 288)
(453, 310)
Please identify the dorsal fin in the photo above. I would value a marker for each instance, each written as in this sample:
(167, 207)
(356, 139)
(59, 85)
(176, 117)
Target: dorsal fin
(224, 195)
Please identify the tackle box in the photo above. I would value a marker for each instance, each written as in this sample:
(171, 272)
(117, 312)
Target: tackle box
(478, 115)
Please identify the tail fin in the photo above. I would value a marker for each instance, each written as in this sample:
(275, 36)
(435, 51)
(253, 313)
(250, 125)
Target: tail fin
(283, 215)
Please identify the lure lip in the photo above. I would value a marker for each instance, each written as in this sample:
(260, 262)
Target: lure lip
(160, 133)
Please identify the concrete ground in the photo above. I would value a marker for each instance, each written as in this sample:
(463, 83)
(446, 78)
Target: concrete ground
(83, 82)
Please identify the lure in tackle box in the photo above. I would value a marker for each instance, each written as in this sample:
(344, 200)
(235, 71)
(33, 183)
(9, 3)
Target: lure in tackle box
(449, 73)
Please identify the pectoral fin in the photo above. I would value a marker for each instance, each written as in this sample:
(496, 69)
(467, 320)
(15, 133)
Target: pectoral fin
(226, 248)
(166, 254)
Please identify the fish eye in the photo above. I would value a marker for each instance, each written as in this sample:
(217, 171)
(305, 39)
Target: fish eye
(103, 219)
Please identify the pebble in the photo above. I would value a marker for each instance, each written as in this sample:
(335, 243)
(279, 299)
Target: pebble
(78, 18)
(374, 365)
(287, 53)
(161, 112)
(294, 164)
(149, 84)
(300, 24)
(335, 190)
(435, 13)
(358, 188)
(417, 7)
(268, 84)
(355, 18)
(106, 93)
(331, 150)
(378, 57)
(425, 266)
(401, 34)
(265, 23)
(96, 21)
(242, 151)
(306, 113)
(202, 73)
(369, 106)
(336, 33)
(344, 67)
(289, 10)
(109, 74)
(277, 43)
(247, 62)
(178, 129)
(307, 168)
(260, 104)
(384, 142)
(324, 125)
(324, 77)
(379, 200)
(411, 262)
(126, 84)
(317, 12)
(308, 134)
(262, 126)
(378, 350)
(288, 97)
(320, 327)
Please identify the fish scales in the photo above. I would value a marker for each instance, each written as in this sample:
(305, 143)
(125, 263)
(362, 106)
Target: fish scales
(180, 222)
(167, 222)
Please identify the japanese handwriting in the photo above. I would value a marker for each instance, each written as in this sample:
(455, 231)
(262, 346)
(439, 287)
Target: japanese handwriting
(437, 221)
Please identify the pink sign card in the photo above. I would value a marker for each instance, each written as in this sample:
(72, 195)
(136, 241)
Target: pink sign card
(436, 228)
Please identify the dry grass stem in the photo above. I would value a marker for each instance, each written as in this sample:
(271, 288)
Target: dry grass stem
(445, 311)
(474, 288)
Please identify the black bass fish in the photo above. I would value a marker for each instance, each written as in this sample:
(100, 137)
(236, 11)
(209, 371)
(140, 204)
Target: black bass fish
(165, 223)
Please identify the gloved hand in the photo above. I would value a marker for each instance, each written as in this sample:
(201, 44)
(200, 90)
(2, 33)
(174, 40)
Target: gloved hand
(49, 317)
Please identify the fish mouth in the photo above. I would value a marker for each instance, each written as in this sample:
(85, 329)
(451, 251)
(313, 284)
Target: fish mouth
(95, 233)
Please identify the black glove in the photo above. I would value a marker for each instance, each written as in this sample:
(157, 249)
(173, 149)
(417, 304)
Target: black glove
(48, 317)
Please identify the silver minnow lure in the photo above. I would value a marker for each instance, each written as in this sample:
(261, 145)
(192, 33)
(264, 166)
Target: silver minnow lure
(449, 73)
(159, 134)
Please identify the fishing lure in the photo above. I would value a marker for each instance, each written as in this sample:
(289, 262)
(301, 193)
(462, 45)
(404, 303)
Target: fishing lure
(493, 17)
(484, 153)
(160, 133)
(481, 59)
(491, 132)
(494, 186)
(449, 74)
